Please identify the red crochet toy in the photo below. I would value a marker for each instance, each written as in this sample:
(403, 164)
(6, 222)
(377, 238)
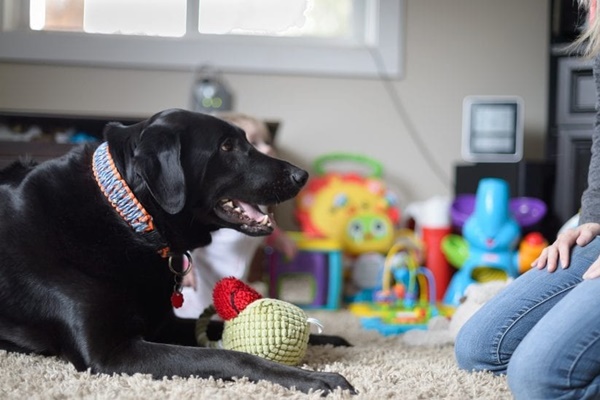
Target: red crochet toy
(231, 296)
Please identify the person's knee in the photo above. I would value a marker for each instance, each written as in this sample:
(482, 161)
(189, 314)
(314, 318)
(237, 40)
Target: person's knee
(528, 378)
(471, 349)
(539, 369)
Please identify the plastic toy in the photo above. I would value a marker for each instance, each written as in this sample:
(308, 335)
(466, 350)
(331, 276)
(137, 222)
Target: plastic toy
(269, 328)
(529, 249)
(491, 234)
(320, 260)
(365, 277)
(357, 210)
(406, 299)
(526, 211)
(432, 218)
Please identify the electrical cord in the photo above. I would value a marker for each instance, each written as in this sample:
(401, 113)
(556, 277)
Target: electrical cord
(406, 120)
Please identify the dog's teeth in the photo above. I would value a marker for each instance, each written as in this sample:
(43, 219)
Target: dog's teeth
(228, 204)
(238, 210)
(265, 220)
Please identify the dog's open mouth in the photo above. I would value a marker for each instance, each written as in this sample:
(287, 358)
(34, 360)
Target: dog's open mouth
(245, 217)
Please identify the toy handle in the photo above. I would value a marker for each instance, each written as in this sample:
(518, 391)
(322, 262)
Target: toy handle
(375, 166)
(202, 326)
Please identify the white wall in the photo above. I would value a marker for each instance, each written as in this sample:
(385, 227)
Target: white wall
(454, 48)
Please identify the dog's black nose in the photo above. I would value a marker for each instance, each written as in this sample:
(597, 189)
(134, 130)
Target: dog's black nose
(299, 176)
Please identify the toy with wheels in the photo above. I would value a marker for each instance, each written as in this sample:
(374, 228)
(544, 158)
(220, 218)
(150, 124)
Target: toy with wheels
(491, 235)
(318, 262)
(355, 209)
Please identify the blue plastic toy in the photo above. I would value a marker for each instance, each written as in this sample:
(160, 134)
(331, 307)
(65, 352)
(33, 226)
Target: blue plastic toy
(492, 235)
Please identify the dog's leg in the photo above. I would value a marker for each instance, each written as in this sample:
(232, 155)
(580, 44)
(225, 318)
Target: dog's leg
(182, 331)
(321, 340)
(8, 346)
(162, 360)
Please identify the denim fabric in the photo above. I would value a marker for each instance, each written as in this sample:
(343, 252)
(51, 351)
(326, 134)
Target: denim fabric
(543, 331)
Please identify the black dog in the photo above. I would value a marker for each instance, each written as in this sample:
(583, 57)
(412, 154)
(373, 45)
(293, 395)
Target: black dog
(86, 241)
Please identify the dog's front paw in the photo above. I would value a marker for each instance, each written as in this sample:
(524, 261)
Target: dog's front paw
(325, 382)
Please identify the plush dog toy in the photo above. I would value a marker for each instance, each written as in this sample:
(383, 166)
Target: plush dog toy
(269, 328)
(476, 295)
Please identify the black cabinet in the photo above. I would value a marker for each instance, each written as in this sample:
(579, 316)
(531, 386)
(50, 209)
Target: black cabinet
(44, 146)
(37, 151)
(574, 116)
(571, 108)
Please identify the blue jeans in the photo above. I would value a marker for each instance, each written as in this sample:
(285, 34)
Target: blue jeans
(542, 331)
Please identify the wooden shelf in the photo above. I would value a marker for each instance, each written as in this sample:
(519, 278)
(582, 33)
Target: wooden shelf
(45, 148)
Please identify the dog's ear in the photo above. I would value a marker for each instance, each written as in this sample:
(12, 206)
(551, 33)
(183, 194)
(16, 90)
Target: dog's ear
(157, 161)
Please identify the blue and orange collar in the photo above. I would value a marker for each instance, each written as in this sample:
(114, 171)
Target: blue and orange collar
(121, 197)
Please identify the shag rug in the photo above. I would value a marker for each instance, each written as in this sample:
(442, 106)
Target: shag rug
(379, 367)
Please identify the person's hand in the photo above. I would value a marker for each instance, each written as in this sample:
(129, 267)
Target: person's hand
(285, 245)
(560, 250)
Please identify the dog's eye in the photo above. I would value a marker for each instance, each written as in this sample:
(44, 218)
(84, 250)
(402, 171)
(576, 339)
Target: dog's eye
(227, 145)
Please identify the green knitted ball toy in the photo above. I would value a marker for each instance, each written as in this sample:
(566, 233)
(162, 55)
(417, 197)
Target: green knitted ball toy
(269, 328)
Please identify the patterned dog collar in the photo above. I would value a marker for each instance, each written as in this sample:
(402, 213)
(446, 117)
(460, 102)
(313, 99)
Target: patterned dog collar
(121, 197)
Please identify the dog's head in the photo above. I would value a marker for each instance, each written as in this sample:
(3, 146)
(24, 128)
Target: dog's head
(197, 168)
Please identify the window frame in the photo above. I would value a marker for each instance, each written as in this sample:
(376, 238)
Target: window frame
(229, 53)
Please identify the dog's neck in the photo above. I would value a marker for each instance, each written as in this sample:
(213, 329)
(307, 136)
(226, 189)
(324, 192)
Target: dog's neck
(121, 197)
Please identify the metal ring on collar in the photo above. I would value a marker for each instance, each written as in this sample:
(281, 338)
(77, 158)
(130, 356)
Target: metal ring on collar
(187, 270)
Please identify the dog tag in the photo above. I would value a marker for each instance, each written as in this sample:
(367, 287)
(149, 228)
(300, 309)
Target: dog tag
(177, 299)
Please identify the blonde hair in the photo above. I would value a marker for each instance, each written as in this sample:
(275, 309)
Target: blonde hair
(239, 118)
(589, 40)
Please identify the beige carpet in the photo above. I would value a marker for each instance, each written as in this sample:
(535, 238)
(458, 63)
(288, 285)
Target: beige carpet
(379, 367)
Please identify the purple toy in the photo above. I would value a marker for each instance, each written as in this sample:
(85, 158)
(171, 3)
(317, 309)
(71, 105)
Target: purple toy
(318, 259)
(526, 211)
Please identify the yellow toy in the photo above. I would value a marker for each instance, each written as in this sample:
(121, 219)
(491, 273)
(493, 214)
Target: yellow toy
(357, 211)
(269, 328)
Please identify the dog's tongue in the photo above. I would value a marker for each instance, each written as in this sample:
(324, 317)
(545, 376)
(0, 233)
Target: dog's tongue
(250, 211)
(249, 217)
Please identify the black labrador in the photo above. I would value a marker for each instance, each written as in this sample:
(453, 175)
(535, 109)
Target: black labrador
(87, 243)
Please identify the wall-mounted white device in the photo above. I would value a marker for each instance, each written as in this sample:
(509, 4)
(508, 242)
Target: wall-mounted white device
(492, 129)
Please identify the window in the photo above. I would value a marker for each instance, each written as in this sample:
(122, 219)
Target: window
(334, 37)
(129, 17)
